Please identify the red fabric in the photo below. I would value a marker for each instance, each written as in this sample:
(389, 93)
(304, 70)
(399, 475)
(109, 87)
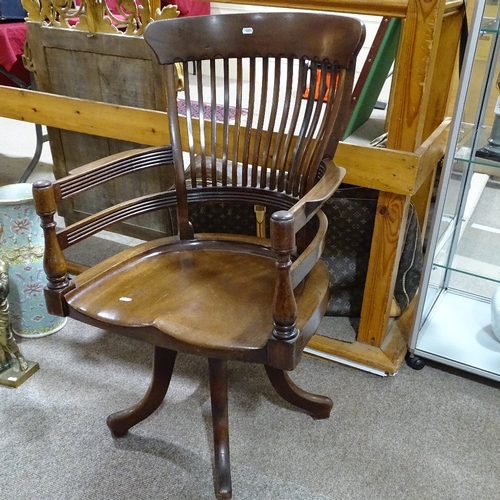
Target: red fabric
(12, 37)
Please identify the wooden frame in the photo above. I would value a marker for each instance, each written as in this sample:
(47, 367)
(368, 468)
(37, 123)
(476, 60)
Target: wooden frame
(405, 170)
(99, 54)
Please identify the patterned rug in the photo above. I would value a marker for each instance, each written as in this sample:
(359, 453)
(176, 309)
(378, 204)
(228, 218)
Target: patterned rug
(207, 110)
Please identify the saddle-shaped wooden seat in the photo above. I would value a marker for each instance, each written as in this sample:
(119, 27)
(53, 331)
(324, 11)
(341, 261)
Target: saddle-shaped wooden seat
(254, 298)
(126, 290)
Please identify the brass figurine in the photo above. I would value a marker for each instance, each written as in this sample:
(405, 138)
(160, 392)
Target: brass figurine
(8, 345)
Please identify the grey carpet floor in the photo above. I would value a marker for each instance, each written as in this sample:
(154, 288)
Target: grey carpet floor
(420, 434)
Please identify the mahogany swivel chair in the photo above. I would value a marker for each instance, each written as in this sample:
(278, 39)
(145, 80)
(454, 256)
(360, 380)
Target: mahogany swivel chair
(264, 111)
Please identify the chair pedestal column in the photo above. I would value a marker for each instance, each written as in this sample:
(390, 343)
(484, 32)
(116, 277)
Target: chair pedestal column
(218, 394)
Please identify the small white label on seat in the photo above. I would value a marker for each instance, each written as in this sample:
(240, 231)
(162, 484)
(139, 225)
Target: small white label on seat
(125, 299)
(247, 31)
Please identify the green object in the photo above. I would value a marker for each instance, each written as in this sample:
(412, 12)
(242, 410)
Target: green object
(376, 77)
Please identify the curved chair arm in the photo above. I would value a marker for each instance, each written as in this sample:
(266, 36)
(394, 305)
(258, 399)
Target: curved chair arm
(99, 172)
(105, 169)
(304, 210)
(307, 206)
(47, 195)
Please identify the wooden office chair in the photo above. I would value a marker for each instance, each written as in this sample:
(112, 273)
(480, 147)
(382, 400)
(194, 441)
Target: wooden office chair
(256, 142)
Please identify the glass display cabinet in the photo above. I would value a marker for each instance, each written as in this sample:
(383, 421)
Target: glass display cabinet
(462, 271)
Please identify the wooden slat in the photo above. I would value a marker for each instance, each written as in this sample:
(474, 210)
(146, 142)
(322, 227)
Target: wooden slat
(358, 352)
(443, 72)
(378, 168)
(431, 151)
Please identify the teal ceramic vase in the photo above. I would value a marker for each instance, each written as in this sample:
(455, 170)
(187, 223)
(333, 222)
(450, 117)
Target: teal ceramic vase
(21, 246)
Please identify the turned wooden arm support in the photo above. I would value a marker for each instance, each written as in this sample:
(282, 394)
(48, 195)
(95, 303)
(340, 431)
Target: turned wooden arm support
(54, 262)
(284, 226)
(284, 305)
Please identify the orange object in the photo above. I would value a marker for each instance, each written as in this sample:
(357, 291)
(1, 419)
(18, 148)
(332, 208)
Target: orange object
(305, 95)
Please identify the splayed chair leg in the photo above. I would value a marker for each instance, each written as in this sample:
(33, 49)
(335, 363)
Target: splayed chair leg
(218, 393)
(163, 365)
(317, 406)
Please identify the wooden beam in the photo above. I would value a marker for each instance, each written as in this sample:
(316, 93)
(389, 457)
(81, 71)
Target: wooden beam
(89, 117)
(388, 358)
(413, 73)
(392, 8)
(381, 275)
(376, 168)
(430, 152)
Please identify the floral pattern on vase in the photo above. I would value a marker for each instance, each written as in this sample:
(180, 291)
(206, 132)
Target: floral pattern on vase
(22, 246)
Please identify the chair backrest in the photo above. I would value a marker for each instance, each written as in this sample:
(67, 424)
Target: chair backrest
(265, 100)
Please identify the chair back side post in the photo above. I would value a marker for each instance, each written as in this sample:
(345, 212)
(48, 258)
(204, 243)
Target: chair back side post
(185, 228)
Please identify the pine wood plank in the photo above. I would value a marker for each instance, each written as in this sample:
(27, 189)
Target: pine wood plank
(385, 252)
(413, 73)
(89, 117)
(393, 8)
(356, 351)
(395, 171)
(443, 72)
